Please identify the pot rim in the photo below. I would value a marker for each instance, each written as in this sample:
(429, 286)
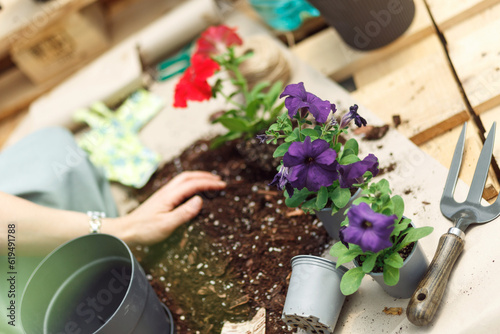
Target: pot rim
(129, 258)
(318, 261)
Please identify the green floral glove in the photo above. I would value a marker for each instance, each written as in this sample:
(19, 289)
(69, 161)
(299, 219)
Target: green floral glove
(113, 142)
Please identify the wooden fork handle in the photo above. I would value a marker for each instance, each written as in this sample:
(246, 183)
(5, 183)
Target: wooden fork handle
(426, 298)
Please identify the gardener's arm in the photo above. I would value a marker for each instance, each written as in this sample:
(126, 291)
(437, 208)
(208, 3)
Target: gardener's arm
(38, 229)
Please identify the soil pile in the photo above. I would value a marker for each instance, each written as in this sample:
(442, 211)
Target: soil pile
(234, 258)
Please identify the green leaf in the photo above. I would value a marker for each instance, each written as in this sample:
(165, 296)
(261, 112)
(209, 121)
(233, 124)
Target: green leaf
(401, 226)
(281, 150)
(415, 234)
(297, 198)
(399, 206)
(273, 94)
(351, 281)
(348, 159)
(352, 144)
(394, 260)
(391, 275)
(311, 133)
(252, 108)
(359, 200)
(322, 198)
(291, 138)
(369, 263)
(340, 196)
(309, 205)
(383, 186)
(216, 142)
(294, 136)
(274, 113)
(345, 254)
(234, 124)
(259, 87)
(274, 127)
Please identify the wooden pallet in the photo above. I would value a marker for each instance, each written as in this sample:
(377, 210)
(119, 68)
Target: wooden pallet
(414, 78)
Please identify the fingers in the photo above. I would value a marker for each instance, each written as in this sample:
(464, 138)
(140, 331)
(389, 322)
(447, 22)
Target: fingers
(184, 186)
(192, 175)
(182, 214)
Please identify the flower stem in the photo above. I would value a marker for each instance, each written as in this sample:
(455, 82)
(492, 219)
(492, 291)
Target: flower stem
(230, 100)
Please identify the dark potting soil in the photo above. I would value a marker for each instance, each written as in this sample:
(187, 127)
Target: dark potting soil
(234, 257)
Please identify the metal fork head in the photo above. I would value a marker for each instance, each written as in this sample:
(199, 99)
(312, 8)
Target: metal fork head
(471, 210)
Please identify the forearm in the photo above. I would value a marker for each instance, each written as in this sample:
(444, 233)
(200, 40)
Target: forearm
(38, 229)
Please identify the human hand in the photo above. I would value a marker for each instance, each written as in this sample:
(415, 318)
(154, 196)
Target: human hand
(156, 218)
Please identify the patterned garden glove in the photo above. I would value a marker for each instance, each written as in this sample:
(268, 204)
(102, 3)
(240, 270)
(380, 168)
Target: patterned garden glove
(113, 142)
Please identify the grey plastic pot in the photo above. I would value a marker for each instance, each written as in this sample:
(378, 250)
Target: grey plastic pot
(410, 274)
(369, 24)
(332, 222)
(92, 284)
(314, 300)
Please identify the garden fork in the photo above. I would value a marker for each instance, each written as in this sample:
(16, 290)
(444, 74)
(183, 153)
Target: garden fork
(426, 298)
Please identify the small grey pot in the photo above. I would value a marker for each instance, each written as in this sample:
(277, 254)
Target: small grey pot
(367, 24)
(332, 222)
(410, 274)
(314, 300)
(92, 284)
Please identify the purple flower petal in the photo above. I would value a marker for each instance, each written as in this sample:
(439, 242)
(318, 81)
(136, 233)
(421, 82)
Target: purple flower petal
(353, 173)
(368, 229)
(313, 164)
(352, 115)
(297, 98)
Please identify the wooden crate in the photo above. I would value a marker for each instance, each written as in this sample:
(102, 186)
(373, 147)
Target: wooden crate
(62, 48)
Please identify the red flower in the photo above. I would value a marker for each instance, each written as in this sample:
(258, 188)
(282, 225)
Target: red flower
(193, 85)
(217, 39)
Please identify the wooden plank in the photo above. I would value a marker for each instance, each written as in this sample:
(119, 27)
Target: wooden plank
(126, 17)
(447, 13)
(418, 85)
(17, 92)
(64, 47)
(442, 147)
(474, 48)
(22, 20)
(326, 52)
(110, 78)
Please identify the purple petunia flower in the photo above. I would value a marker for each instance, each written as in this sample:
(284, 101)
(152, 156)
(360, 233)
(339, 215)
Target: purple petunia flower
(368, 229)
(352, 115)
(312, 164)
(281, 181)
(299, 99)
(353, 173)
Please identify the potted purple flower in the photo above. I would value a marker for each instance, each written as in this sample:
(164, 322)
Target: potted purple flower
(381, 242)
(318, 171)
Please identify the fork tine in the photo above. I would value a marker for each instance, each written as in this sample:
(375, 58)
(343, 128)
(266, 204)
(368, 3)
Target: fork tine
(483, 165)
(456, 162)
